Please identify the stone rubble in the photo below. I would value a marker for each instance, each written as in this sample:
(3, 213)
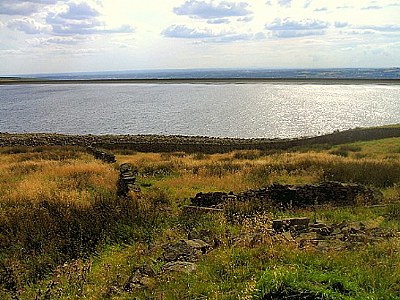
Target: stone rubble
(180, 257)
(327, 237)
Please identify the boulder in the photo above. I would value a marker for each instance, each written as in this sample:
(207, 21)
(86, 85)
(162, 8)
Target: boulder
(180, 267)
(185, 250)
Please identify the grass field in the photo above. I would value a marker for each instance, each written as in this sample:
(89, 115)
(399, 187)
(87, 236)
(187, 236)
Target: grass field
(65, 235)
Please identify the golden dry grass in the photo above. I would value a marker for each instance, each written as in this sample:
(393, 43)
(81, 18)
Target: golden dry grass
(73, 181)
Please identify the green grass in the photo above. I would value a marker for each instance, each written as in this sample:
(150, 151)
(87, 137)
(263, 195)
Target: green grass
(374, 275)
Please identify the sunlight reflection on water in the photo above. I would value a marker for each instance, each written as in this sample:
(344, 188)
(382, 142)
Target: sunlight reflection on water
(226, 110)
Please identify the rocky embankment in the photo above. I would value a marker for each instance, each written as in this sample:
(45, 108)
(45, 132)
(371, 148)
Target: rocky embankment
(159, 143)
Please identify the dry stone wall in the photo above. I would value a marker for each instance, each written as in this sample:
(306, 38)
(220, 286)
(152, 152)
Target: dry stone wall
(288, 196)
(102, 155)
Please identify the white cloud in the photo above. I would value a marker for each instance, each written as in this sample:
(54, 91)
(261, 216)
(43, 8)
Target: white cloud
(307, 3)
(290, 24)
(289, 28)
(321, 9)
(22, 7)
(372, 7)
(382, 28)
(27, 25)
(185, 32)
(212, 10)
(81, 19)
(58, 40)
(208, 35)
(286, 3)
(218, 21)
(245, 19)
(339, 24)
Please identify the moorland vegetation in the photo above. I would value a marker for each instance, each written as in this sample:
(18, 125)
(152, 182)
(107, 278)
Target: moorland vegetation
(65, 234)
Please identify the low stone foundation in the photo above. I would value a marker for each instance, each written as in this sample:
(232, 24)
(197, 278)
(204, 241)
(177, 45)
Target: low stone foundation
(292, 196)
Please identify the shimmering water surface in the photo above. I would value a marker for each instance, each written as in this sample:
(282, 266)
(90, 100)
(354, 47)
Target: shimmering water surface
(224, 110)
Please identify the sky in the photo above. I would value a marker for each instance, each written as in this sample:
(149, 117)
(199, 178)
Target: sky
(55, 36)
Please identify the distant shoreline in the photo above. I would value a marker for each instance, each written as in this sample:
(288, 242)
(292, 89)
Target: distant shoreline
(320, 81)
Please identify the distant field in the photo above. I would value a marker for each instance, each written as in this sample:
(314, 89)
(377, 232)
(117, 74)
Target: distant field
(64, 234)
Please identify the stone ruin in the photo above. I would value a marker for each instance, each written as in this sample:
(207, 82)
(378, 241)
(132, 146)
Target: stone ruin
(293, 196)
(126, 180)
(102, 155)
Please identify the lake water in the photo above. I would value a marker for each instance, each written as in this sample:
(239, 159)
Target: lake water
(222, 110)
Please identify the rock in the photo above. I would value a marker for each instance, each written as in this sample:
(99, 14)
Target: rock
(198, 245)
(142, 277)
(210, 199)
(307, 236)
(340, 237)
(180, 266)
(204, 235)
(286, 224)
(317, 225)
(185, 250)
(324, 231)
(137, 281)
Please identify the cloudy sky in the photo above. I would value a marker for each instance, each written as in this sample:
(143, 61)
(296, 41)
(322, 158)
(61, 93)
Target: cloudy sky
(45, 36)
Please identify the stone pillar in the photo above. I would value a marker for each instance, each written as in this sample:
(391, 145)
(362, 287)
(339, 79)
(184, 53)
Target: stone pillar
(126, 180)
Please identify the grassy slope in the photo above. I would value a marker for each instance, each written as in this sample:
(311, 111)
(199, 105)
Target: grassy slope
(64, 235)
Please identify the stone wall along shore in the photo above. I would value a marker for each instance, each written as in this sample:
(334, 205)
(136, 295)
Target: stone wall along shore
(160, 143)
